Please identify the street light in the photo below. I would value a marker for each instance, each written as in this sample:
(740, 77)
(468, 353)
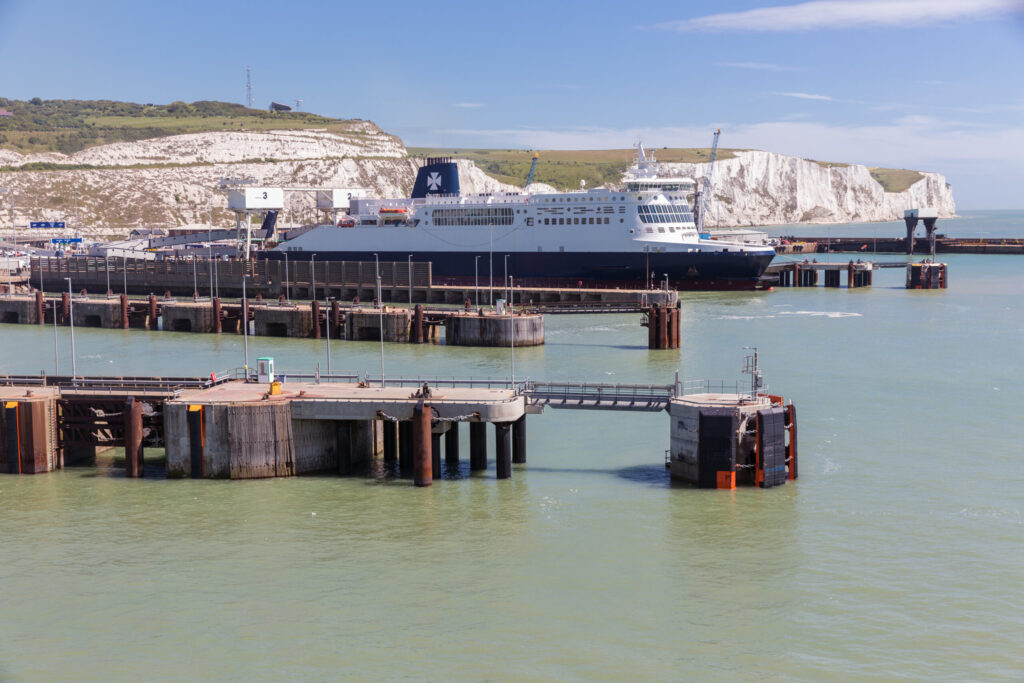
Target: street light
(410, 279)
(245, 326)
(56, 361)
(312, 274)
(506, 277)
(476, 279)
(512, 327)
(287, 290)
(490, 267)
(106, 268)
(317, 322)
(71, 321)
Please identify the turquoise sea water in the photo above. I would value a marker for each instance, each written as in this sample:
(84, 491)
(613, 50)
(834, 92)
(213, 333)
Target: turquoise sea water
(897, 554)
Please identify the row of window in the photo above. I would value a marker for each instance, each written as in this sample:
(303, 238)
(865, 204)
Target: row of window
(476, 216)
(580, 199)
(667, 187)
(664, 213)
(574, 221)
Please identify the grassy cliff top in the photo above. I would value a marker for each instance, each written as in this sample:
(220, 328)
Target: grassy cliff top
(565, 168)
(71, 125)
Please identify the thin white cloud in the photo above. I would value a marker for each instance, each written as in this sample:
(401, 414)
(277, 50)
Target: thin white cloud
(468, 105)
(757, 66)
(805, 95)
(925, 143)
(826, 14)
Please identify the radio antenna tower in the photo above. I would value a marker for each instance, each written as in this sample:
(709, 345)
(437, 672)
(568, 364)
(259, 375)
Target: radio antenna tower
(248, 87)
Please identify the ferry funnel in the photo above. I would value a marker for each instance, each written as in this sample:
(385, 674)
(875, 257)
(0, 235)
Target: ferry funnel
(439, 176)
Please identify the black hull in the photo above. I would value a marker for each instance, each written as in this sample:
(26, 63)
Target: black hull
(685, 270)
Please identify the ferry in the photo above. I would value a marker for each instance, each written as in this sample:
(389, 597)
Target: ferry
(638, 236)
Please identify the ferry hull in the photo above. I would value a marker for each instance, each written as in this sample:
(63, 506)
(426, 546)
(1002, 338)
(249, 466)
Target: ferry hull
(685, 270)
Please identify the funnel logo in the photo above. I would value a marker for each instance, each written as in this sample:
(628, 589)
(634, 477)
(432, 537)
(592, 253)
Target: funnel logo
(434, 181)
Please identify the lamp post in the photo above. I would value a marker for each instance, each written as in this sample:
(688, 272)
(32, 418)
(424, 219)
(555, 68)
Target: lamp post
(476, 280)
(512, 335)
(505, 277)
(245, 327)
(71, 321)
(380, 311)
(410, 279)
(195, 279)
(312, 274)
(317, 322)
(106, 268)
(125, 273)
(490, 267)
(209, 254)
(287, 289)
(56, 361)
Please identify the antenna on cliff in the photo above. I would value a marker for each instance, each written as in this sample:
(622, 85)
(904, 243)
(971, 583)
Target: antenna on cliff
(298, 104)
(248, 86)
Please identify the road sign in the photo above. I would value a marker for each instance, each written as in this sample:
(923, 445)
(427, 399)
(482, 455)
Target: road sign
(46, 224)
(65, 240)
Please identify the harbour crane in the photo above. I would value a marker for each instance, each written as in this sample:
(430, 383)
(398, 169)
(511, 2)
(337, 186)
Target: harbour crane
(703, 199)
(533, 167)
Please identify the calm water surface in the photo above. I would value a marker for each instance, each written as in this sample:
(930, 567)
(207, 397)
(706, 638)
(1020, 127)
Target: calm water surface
(898, 553)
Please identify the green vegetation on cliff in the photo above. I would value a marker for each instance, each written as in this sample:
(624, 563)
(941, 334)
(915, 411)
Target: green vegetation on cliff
(71, 125)
(563, 169)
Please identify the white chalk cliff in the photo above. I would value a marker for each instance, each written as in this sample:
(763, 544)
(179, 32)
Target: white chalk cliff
(173, 180)
(763, 188)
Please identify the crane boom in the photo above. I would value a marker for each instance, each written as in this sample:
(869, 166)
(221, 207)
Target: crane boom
(707, 183)
(529, 178)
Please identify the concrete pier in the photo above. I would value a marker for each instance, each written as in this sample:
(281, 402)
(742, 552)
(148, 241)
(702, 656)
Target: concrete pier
(722, 440)
(365, 324)
(283, 321)
(927, 275)
(663, 327)
(28, 439)
(484, 329)
(247, 432)
(190, 316)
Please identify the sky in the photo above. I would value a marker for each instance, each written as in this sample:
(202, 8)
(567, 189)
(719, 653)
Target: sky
(935, 85)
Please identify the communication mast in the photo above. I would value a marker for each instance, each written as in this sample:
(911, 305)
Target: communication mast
(248, 87)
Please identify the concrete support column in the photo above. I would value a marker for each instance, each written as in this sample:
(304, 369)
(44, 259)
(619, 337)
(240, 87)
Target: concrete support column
(435, 455)
(503, 449)
(65, 308)
(911, 226)
(343, 445)
(362, 442)
(404, 448)
(421, 456)
(652, 327)
(451, 445)
(133, 459)
(39, 307)
(477, 446)
(390, 441)
(662, 327)
(929, 227)
(519, 441)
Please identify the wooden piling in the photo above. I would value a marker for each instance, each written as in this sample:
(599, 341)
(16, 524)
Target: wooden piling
(65, 308)
(133, 458)
(39, 307)
(422, 465)
(217, 323)
(315, 308)
(451, 444)
(477, 446)
(123, 310)
(652, 327)
(791, 453)
(519, 441)
(417, 324)
(503, 449)
(334, 320)
(663, 327)
(154, 316)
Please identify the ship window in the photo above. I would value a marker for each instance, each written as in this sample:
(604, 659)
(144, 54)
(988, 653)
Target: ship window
(650, 229)
(561, 221)
(606, 221)
(661, 229)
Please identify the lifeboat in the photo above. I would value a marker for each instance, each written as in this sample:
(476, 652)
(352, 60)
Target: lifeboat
(387, 211)
(347, 223)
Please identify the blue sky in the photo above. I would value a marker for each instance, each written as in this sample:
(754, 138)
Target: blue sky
(927, 84)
